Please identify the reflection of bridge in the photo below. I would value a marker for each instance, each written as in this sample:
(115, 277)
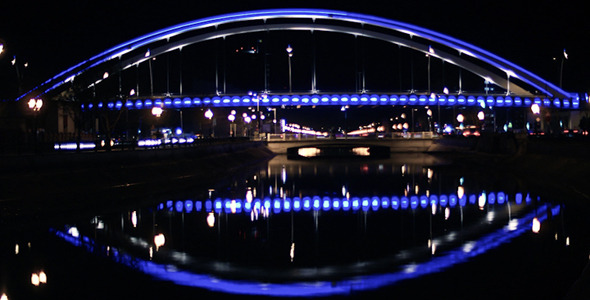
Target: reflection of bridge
(128, 77)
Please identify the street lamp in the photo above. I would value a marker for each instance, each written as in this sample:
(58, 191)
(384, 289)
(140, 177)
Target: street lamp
(289, 55)
(35, 105)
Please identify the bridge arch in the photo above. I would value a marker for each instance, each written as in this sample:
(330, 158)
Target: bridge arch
(134, 52)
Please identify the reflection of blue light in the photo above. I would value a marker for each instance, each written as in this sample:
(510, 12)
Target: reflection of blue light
(518, 198)
(326, 203)
(179, 206)
(501, 197)
(414, 202)
(344, 286)
(404, 202)
(296, 204)
(395, 202)
(316, 203)
(453, 200)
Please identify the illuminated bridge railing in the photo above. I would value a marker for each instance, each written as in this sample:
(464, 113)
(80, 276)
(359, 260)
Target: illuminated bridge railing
(337, 99)
(317, 203)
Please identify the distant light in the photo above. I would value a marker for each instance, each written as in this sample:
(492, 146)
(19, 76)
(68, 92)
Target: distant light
(481, 115)
(1, 48)
(134, 218)
(535, 109)
(73, 231)
(35, 279)
(42, 277)
(132, 92)
(3, 297)
(105, 75)
(460, 118)
(147, 53)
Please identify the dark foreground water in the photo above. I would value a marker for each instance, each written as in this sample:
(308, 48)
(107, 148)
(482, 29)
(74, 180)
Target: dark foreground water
(404, 227)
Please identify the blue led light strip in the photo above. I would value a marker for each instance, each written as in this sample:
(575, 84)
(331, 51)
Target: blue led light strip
(510, 69)
(337, 100)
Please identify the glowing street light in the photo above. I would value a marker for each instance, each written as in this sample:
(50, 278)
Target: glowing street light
(209, 114)
(535, 109)
(290, 54)
(481, 115)
(1, 48)
(159, 240)
(460, 118)
(157, 111)
(35, 104)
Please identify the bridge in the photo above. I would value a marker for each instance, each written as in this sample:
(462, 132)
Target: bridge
(124, 78)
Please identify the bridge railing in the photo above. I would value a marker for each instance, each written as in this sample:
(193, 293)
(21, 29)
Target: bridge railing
(277, 137)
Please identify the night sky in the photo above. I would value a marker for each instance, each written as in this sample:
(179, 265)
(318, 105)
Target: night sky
(52, 37)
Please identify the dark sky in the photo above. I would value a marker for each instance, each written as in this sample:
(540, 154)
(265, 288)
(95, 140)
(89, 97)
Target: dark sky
(53, 35)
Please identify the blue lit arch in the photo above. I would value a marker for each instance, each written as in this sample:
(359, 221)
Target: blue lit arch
(128, 54)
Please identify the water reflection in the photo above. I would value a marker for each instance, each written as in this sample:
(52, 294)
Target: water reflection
(316, 228)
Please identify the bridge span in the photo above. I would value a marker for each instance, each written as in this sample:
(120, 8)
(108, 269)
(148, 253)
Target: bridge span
(358, 146)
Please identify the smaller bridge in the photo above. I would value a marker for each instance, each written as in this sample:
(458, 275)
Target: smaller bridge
(354, 146)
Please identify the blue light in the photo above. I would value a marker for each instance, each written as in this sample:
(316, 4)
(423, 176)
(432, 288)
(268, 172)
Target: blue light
(118, 104)
(296, 204)
(277, 205)
(326, 203)
(433, 200)
(451, 100)
(375, 203)
(218, 204)
(336, 204)
(442, 99)
(365, 203)
(395, 202)
(403, 99)
(566, 103)
(461, 100)
(517, 101)
(576, 103)
(414, 202)
(453, 200)
(198, 205)
(247, 206)
(518, 198)
(287, 205)
(345, 204)
(422, 99)
(472, 199)
(306, 203)
(177, 102)
(500, 101)
(355, 203)
(404, 202)
(413, 99)
(471, 100)
(443, 200)
(501, 197)
(394, 99)
(208, 205)
(508, 101)
(527, 101)
(384, 202)
(492, 198)
(188, 206)
(316, 203)
(423, 201)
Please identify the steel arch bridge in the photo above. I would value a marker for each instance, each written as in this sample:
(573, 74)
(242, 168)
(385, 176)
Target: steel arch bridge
(523, 87)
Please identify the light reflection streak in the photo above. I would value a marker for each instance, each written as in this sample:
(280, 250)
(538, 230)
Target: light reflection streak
(438, 263)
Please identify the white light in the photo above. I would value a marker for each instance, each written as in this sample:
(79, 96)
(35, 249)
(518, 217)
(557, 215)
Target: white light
(3, 297)
(481, 115)
(73, 231)
(536, 225)
(157, 111)
(35, 279)
(211, 219)
(147, 53)
(209, 114)
(460, 118)
(159, 240)
(132, 92)
(134, 218)
(446, 91)
(535, 109)
(292, 252)
(1, 48)
(231, 118)
(513, 224)
(42, 277)
(105, 75)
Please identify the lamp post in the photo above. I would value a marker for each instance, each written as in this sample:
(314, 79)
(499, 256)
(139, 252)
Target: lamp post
(289, 55)
(35, 106)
